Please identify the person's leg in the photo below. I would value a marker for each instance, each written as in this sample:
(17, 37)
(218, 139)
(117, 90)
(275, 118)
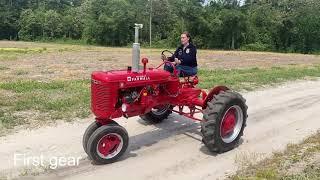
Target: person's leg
(179, 68)
(194, 71)
(187, 71)
(168, 68)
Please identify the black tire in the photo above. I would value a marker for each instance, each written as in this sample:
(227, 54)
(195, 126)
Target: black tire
(154, 118)
(212, 119)
(98, 134)
(90, 129)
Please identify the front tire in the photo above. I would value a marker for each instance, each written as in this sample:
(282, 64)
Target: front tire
(157, 115)
(89, 131)
(224, 120)
(107, 144)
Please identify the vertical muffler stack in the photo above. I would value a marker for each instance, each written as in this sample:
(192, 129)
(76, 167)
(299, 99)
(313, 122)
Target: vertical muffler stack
(136, 48)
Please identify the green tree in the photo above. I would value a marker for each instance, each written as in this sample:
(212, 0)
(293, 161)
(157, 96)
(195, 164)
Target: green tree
(30, 25)
(108, 22)
(52, 25)
(279, 25)
(233, 28)
(73, 23)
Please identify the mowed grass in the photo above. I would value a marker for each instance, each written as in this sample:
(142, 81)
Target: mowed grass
(25, 102)
(14, 53)
(250, 79)
(32, 102)
(297, 162)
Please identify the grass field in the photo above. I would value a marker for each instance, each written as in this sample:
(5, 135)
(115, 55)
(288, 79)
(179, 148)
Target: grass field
(252, 78)
(41, 83)
(47, 62)
(7, 54)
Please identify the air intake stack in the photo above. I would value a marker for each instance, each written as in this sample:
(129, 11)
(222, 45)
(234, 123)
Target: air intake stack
(136, 48)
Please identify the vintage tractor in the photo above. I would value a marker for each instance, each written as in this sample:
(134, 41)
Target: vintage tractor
(153, 94)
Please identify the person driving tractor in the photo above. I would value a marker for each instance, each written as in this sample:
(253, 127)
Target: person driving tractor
(185, 57)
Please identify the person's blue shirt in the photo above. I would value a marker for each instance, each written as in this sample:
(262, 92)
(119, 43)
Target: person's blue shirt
(188, 58)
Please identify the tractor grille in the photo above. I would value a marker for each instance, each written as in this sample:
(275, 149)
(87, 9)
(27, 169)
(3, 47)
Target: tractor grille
(101, 97)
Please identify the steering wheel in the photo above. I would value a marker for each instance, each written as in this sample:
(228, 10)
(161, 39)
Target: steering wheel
(165, 57)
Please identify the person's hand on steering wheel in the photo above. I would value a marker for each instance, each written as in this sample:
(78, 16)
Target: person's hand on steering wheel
(177, 61)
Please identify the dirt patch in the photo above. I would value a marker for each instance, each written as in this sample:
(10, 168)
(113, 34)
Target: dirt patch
(244, 59)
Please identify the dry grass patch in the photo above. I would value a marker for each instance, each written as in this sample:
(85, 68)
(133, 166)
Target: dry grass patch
(297, 162)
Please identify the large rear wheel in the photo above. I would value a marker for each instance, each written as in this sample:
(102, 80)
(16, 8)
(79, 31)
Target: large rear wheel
(157, 114)
(224, 120)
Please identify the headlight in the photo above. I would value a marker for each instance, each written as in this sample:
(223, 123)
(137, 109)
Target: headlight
(124, 107)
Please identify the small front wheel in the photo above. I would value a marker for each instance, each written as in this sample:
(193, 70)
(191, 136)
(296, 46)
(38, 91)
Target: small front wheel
(107, 144)
(89, 131)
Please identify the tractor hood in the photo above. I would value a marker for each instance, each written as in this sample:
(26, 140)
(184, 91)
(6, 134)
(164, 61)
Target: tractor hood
(129, 78)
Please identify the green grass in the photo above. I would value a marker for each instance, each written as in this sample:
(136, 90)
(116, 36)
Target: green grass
(65, 41)
(250, 79)
(278, 166)
(22, 50)
(50, 101)
(2, 68)
(21, 72)
(7, 54)
(14, 53)
(53, 100)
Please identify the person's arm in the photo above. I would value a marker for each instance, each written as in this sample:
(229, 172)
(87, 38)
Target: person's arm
(175, 55)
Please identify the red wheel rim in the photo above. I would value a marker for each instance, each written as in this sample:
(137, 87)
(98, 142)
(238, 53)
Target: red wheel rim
(228, 122)
(109, 145)
(231, 124)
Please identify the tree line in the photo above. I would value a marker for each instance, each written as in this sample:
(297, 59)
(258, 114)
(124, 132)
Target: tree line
(264, 25)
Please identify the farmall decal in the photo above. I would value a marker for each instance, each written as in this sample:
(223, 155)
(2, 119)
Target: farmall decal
(138, 78)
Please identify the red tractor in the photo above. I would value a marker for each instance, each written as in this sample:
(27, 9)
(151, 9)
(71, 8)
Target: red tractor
(153, 94)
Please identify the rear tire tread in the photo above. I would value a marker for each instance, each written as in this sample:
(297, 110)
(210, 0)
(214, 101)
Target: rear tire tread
(212, 116)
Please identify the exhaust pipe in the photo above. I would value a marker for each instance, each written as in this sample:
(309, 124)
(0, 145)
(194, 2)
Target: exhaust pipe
(136, 48)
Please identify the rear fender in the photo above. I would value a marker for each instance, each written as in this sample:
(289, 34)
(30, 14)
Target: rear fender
(214, 91)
